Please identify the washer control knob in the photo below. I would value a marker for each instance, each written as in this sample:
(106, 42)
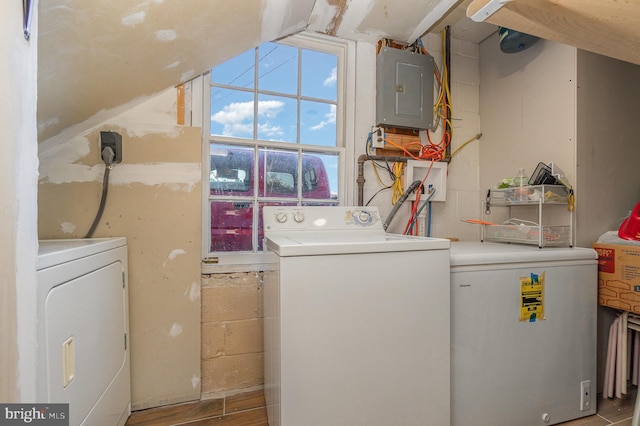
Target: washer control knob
(363, 217)
(298, 216)
(281, 217)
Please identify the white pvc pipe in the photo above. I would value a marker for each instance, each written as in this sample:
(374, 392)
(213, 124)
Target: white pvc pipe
(608, 373)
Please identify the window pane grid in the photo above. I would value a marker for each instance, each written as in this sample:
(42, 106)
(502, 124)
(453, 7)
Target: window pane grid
(274, 93)
(301, 149)
(229, 87)
(293, 141)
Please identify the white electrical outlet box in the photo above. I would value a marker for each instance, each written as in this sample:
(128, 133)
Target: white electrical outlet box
(585, 395)
(377, 138)
(417, 169)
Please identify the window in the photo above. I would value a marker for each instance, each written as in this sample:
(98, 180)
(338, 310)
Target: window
(275, 123)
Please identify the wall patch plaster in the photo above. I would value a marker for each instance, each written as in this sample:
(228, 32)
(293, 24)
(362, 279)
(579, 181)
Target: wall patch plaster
(193, 292)
(166, 35)
(67, 227)
(156, 116)
(175, 253)
(176, 176)
(176, 330)
(188, 75)
(195, 381)
(55, 154)
(133, 19)
(286, 17)
(47, 123)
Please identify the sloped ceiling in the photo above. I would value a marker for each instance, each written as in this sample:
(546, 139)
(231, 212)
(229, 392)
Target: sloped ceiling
(606, 27)
(97, 55)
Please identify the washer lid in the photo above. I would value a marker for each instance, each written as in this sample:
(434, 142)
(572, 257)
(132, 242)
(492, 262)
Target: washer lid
(325, 230)
(55, 252)
(327, 243)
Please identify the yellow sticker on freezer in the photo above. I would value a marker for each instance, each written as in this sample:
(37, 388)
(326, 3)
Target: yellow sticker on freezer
(532, 298)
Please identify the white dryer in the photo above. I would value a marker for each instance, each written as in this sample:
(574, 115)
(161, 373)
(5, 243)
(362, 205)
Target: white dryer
(83, 329)
(356, 321)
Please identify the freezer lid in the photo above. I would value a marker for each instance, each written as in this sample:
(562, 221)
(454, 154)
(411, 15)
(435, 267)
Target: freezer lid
(479, 253)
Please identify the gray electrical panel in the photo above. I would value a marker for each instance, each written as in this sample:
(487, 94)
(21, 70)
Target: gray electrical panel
(404, 84)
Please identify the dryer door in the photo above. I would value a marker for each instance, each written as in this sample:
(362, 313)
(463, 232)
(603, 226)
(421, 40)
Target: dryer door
(85, 338)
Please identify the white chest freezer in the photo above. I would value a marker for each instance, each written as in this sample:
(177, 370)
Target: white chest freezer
(83, 327)
(356, 321)
(523, 334)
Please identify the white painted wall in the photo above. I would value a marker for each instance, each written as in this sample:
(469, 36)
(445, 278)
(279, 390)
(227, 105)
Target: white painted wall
(608, 143)
(608, 101)
(528, 104)
(577, 109)
(463, 186)
(18, 206)
(556, 103)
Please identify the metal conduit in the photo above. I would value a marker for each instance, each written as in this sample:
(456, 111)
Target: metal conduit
(360, 180)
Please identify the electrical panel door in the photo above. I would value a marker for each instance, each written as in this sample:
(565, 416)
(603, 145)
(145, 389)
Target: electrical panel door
(404, 84)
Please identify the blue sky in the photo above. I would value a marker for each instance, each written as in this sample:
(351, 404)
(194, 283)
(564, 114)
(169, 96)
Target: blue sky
(232, 109)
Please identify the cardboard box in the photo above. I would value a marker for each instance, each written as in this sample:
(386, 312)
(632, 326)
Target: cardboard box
(619, 276)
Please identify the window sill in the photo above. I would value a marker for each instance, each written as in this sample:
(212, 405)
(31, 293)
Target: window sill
(228, 263)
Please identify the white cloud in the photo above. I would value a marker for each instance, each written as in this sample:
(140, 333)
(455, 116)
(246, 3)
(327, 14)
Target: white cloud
(270, 109)
(330, 118)
(237, 117)
(333, 77)
(269, 130)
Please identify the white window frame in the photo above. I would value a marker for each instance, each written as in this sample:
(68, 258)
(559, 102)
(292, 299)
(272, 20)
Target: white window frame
(345, 52)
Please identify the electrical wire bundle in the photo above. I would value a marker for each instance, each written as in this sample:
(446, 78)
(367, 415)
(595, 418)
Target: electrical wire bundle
(390, 169)
(442, 107)
(417, 207)
(436, 151)
(431, 151)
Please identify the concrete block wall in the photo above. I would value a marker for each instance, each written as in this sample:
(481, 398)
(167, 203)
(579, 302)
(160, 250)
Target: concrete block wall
(232, 333)
(463, 190)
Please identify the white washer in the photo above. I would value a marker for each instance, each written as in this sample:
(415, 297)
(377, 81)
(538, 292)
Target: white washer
(83, 328)
(356, 321)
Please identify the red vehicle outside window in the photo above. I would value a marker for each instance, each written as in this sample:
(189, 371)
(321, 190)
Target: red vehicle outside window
(236, 190)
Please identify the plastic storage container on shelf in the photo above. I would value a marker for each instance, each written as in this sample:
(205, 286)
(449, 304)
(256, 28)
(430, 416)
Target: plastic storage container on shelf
(525, 231)
(546, 194)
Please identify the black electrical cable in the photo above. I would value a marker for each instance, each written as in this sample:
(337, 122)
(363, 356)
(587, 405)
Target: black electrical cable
(377, 192)
(387, 167)
(447, 125)
(108, 156)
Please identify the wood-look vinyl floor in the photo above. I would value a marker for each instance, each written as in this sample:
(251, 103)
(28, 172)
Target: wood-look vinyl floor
(618, 412)
(248, 409)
